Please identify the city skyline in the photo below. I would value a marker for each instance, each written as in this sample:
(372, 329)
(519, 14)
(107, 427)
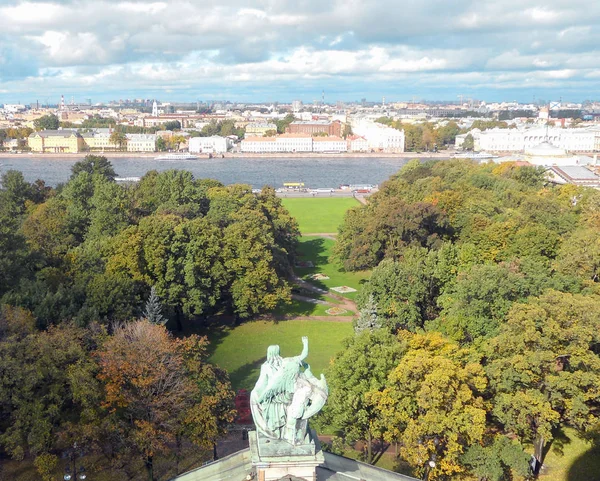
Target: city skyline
(281, 51)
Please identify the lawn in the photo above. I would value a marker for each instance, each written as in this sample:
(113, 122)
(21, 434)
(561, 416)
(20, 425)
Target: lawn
(318, 250)
(319, 215)
(571, 459)
(242, 349)
(305, 308)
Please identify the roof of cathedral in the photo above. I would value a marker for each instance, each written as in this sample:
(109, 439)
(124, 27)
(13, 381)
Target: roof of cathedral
(238, 467)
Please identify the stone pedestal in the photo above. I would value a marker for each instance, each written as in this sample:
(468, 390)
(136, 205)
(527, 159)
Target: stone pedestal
(274, 459)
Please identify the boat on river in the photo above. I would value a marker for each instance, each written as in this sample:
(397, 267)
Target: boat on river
(175, 157)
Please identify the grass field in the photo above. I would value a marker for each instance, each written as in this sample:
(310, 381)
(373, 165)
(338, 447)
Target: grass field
(319, 214)
(319, 250)
(305, 308)
(570, 458)
(242, 349)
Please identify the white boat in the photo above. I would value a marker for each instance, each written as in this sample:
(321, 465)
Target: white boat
(475, 156)
(127, 179)
(175, 157)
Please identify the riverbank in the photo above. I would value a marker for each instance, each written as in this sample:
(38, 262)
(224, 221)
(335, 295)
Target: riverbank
(236, 155)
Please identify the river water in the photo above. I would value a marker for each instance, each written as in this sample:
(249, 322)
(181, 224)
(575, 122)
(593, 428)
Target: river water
(314, 172)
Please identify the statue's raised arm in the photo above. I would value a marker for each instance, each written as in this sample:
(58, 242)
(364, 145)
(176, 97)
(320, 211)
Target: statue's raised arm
(304, 354)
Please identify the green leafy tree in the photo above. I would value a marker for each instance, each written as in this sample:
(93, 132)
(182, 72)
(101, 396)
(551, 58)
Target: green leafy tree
(35, 391)
(497, 459)
(284, 123)
(118, 138)
(433, 403)
(383, 229)
(544, 367)
(362, 366)
(403, 290)
(468, 143)
(476, 304)
(173, 125)
(94, 164)
(161, 144)
(47, 122)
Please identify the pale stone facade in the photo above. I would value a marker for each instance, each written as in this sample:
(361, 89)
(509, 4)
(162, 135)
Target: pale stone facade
(282, 143)
(213, 145)
(141, 143)
(380, 137)
(518, 140)
(256, 129)
(329, 144)
(64, 141)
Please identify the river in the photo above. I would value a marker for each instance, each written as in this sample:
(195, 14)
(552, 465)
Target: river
(314, 172)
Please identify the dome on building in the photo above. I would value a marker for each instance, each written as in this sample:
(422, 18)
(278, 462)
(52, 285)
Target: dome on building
(546, 149)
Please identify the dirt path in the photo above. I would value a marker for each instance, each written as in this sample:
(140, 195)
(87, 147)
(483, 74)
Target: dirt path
(307, 318)
(327, 235)
(312, 300)
(344, 301)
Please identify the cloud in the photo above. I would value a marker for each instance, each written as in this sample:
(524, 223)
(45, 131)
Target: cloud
(108, 46)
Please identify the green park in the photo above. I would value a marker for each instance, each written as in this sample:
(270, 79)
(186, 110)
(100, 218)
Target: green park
(241, 349)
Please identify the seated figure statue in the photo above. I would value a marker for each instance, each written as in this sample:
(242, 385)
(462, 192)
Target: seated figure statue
(286, 395)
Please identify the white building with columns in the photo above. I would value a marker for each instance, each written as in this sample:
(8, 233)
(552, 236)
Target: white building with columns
(210, 145)
(379, 137)
(518, 140)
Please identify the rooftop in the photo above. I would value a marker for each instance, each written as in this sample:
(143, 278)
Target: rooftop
(336, 468)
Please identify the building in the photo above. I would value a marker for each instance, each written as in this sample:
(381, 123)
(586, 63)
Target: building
(64, 141)
(380, 138)
(316, 127)
(210, 145)
(283, 143)
(518, 140)
(357, 143)
(329, 144)
(99, 140)
(141, 143)
(256, 129)
(546, 154)
(573, 174)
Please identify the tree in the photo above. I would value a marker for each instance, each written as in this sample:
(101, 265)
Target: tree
(544, 367)
(433, 403)
(36, 394)
(496, 459)
(173, 125)
(14, 255)
(118, 138)
(47, 122)
(152, 387)
(46, 229)
(367, 318)
(153, 308)
(476, 304)
(468, 143)
(284, 123)
(404, 290)
(94, 164)
(347, 131)
(362, 366)
(385, 227)
(580, 254)
(175, 141)
(161, 145)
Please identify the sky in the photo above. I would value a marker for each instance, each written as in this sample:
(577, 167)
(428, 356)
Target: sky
(281, 50)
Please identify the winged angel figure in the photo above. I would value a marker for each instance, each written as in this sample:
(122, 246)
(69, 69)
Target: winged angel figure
(286, 395)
